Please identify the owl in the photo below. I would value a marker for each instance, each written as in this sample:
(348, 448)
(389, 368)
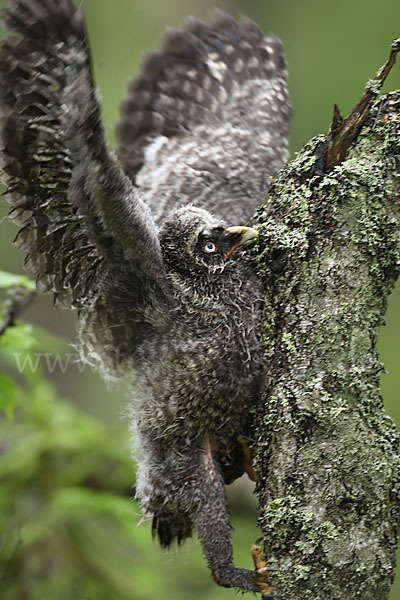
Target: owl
(151, 244)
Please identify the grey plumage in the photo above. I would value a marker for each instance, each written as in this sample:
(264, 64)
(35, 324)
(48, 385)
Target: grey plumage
(163, 284)
(207, 119)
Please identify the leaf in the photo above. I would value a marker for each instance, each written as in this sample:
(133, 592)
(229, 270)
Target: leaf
(8, 280)
(18, 337)
(8, 394)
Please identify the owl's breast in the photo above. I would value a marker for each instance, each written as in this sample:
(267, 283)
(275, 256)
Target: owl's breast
(201, 377)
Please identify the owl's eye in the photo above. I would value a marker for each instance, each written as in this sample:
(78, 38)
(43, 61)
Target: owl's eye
(209, 247)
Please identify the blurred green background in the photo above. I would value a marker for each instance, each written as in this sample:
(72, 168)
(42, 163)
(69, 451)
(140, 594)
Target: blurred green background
(69, 526)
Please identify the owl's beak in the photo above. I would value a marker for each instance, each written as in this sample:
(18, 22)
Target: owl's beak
(242, 237)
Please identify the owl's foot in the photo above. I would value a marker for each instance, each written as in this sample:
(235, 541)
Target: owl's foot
(244, 579)
(262, 570)
(248, 458)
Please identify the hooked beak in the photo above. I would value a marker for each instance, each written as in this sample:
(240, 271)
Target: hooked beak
(242, 238)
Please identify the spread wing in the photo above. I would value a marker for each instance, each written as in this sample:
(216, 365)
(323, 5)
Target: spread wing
(207, 120)
(81, 221)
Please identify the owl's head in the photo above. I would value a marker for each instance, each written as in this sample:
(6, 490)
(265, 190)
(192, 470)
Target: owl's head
(194, 242)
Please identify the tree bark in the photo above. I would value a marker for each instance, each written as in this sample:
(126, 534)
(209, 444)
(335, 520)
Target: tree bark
(327, 459)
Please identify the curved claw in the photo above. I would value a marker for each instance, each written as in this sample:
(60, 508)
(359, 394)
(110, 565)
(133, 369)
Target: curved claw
(265, 589)
(248, 458)
(262, 570)
(268, 594)
(255, 551)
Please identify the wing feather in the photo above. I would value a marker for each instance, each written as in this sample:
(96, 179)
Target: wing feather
(207, 119)
(84, 228)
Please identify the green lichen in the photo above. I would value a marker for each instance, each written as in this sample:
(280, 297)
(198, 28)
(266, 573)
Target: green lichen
(287, 340)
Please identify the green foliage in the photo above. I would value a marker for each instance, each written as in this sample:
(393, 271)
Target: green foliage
(8, 394)
(18, 337)
(67, 518)
(8, 280)
(65, 496)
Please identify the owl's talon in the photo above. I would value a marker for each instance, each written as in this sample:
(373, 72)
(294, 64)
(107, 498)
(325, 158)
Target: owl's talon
(262, 570)
(248, 458)
(255, 551)
(265, 589)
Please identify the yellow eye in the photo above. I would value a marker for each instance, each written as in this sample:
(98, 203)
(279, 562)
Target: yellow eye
(209, 247)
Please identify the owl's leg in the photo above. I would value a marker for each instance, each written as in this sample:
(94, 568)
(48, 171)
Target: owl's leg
(183, 487)
(212, 522)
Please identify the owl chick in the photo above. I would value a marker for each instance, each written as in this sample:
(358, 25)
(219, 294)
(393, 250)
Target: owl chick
(151, 248)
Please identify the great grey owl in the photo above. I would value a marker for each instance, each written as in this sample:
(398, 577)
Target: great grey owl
(151, 247)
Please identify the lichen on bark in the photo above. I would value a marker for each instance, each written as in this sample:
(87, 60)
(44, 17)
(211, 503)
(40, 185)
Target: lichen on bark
(327, 458)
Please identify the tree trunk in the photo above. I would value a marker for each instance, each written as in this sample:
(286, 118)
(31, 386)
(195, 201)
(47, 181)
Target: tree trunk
(327, 458)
